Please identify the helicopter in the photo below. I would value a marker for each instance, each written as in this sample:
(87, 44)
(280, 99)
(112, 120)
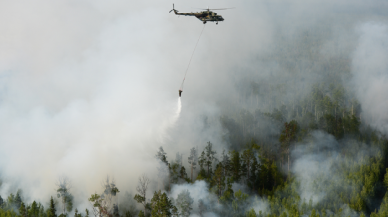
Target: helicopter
(205, 16)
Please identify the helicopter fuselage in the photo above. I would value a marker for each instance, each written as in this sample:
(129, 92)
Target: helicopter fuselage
(204, 16)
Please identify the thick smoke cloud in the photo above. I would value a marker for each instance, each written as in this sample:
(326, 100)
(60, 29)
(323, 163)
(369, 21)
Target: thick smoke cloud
(370, 73)
(198, 191)
(79, 96)
(320, 164)
(89, 88)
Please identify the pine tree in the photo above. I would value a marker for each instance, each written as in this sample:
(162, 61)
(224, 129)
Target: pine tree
(235, 165)
(210, 157)
(228, 195)
(22, 210)
(313, 213)
(141, 213)
(34, 211)
(385, 181)
(182, 172)
(115, 211)
(174, 172)
(184, 203)
(268, 176)
(63, 192)
(161, 205)
(18, 200)
(251, 213)
(225, 163)
(76, 214)
(178, 159)
(51, 212)
(287, 137)
(129, 214)
(42, 213)
(161, 155)
(1, 202)
(239, 201)
(202, 160)
(219, 179)
(193, 160)
(175, 212)
(247, 159)
(253, 181)
(99, 205)
(11, 200)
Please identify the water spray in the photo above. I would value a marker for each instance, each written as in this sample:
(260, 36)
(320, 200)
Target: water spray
(169, 122)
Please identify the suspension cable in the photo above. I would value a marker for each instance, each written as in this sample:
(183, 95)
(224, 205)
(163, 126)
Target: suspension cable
(181, 88)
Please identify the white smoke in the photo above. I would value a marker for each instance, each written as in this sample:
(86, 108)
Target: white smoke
(370, 74)
(86, 86)
(198, 191)
(79, 97)
(260, 205)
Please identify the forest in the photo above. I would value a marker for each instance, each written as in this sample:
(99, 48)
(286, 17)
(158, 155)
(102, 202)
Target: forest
(295, 142)
(349, 159)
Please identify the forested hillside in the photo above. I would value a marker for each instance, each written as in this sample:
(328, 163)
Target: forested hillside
(298, 138)
(321, 137)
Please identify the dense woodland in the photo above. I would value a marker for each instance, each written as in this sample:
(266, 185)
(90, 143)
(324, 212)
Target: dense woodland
(262, 164)
(277, 124)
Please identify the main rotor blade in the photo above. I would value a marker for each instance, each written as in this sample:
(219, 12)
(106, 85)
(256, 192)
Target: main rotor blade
(214, 9)
(221, 9)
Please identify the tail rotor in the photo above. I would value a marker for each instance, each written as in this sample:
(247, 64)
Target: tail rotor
(173, 9)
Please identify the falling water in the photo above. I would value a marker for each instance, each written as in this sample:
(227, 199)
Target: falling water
(170, 122)
(178, 111)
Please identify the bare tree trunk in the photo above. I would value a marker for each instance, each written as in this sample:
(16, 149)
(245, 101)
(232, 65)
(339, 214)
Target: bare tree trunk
(192, 171)
(288, 162)
(142, 189)
(352, 109)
